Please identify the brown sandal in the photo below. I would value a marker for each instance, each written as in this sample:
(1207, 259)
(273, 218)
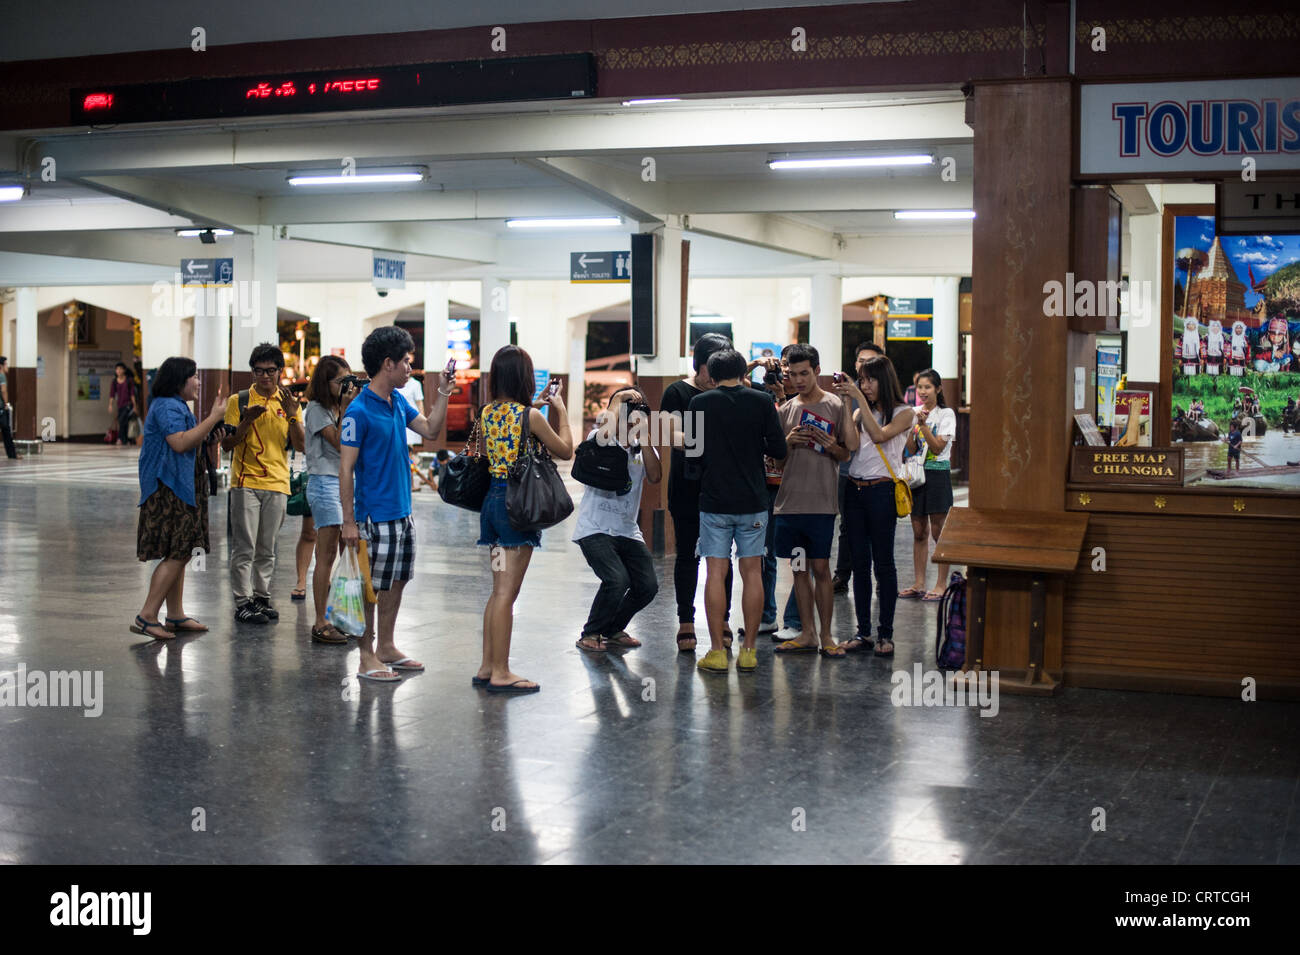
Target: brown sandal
(328, 634)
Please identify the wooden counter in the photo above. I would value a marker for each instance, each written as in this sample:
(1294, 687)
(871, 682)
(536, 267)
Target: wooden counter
(1198, 592)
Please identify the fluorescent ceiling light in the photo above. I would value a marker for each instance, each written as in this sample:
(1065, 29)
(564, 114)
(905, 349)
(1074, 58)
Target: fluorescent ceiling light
(651, 102)
(585, 223)
(10, 193)
(935, 214)
(842, 162)
(195, 233)
(358, 179)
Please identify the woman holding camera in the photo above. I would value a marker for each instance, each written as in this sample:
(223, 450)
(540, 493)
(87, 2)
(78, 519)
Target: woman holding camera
(173, 525)
(609, 536)
(331, 389)
(502, 423)
(870, 516)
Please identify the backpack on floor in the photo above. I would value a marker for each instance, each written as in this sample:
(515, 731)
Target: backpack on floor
(950, 638)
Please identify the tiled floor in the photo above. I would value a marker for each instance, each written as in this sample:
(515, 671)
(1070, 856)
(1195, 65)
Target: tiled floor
(267, 740)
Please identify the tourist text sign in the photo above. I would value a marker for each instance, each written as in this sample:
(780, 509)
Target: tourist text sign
(1089, 465)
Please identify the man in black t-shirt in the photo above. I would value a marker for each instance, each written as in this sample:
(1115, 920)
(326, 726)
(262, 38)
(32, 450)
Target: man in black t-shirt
(738, 425)
(684, 496)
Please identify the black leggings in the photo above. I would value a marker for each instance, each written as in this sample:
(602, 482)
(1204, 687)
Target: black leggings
(686, 566)
(123, 424)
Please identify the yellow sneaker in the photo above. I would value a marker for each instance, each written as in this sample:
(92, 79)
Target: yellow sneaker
(748, 660)
(715, 661)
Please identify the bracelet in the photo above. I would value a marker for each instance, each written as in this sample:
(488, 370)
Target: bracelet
(446, 394)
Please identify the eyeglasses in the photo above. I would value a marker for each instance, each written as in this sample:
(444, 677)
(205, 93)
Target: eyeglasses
(265, 372)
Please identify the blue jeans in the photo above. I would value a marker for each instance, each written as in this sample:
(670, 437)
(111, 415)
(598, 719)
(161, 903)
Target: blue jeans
(871, 518)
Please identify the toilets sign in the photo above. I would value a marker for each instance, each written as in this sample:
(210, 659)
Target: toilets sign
(1153, 128)
(607, 267)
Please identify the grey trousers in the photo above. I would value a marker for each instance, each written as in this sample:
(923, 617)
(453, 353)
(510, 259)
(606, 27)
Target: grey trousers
(255, 519)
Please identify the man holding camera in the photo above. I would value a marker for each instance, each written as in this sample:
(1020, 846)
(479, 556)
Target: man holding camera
(263, 422)
(819, 434)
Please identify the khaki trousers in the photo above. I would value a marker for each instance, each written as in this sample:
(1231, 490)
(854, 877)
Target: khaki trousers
(255, 520)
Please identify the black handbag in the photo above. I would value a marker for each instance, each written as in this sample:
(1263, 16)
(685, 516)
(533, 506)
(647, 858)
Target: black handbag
(535, 494)
(465, 477)
(602, 466)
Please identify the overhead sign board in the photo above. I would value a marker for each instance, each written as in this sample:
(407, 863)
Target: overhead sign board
(909, 328)
(1130, 129)
(1265, 207)
(594, 267)
(207, 272)
(388, 270)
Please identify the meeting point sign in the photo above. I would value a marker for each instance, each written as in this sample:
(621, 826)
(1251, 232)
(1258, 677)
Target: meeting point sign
(1150, 129)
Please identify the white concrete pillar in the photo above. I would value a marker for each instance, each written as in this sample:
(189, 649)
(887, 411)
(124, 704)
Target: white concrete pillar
(436, 310)
(494, 320)
(212, 332)
(24, 344)
(1140, 317)
(576, 333)
(826, 321)
(340, 326)
(254, 295)
(945, 337)
(667, 360)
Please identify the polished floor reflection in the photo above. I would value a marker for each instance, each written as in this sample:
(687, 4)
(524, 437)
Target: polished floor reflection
(251, 744)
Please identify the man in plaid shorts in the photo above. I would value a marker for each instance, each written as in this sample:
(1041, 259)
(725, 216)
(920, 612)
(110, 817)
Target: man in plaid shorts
(372, 435)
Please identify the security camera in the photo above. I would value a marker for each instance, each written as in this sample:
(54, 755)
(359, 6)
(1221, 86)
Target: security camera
(382, 292)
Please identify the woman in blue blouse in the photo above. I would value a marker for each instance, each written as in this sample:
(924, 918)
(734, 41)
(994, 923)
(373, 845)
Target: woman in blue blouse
(173, 501)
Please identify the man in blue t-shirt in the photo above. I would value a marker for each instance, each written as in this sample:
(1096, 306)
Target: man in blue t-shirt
(372, 436)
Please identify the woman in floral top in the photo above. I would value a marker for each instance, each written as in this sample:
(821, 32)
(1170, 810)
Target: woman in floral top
(511, 382)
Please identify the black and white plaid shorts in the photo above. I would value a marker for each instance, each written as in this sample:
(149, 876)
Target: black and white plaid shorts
(391, 548)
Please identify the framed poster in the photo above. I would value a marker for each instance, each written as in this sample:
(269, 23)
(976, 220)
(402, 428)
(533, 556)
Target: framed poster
(1231, 324)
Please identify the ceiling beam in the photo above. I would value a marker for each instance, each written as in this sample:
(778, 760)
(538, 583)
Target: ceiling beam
(200, 203)
(621, 191)
(119, 247)
(83, 215)
(425, 205)
(409, 237)
(614, 131)
(766, 231)
(826, 194)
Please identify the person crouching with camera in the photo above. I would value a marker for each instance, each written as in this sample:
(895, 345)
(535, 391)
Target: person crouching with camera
(608, 534)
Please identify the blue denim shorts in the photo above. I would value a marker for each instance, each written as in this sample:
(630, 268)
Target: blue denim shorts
(323, 499)
(494, 527)
(717, 531)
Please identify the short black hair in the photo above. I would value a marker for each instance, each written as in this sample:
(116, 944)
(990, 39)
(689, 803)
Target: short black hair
(266, 352)
(171, 377)
(726, 363)
(868, 346)
(388, 341)
(510, 377)
(798, 353)
(3, 360)
(708, 343)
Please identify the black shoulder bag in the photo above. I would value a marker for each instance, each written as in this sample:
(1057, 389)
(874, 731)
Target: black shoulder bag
(535, 495)
(465, 478)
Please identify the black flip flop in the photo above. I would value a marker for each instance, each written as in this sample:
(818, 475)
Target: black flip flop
(513, 687)
(140, 625)
(866, 644)
(480, 680)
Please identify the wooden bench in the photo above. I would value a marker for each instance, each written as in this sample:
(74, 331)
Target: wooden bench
(1016, 564)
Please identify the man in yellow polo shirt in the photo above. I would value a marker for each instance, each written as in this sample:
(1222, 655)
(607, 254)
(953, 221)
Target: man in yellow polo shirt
(259, 481)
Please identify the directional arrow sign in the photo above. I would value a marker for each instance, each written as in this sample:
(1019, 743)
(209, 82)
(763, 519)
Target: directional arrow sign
(600, 266)
(207, 271)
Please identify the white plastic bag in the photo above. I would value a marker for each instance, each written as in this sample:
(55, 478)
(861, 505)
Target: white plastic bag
(346, 609)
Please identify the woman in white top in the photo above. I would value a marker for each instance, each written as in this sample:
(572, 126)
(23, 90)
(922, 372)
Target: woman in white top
(869, 514)
(935, 431)
(611, 541)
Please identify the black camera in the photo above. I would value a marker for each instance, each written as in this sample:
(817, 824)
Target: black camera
(298, 387)
(640, 406)
(348, 382)
(773, 376)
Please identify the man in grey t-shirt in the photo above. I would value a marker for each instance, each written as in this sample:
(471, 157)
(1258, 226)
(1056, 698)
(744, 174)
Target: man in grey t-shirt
(819, 433)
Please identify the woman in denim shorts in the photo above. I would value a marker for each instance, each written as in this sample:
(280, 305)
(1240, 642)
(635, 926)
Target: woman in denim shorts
(330, 395)
(511, 380)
